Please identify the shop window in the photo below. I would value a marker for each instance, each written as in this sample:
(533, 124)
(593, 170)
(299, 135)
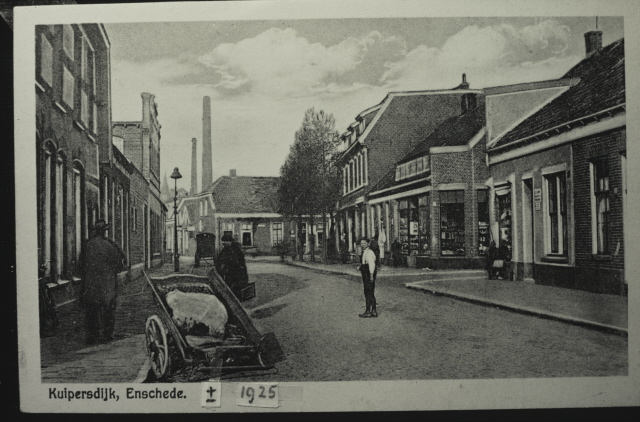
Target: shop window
(556, 215)
(276, 233)
(452, 223)
(424, 227)
(600, 206)
(68, 87)
(46, 60)
(504, 219)
(403, 225)
(483, 222)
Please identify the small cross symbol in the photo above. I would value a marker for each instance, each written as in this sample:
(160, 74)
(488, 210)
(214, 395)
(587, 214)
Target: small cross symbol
(211, 390)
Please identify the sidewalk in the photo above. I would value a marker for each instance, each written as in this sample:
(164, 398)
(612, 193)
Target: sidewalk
(591, 310)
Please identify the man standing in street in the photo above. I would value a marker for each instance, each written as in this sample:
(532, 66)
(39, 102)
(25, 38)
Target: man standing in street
(101, 261)
(367, 268)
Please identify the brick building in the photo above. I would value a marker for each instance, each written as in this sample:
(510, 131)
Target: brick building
(244, 207)
(72, 131)
(434, 202)
(557, 157)
(141, 146)
(381, 137)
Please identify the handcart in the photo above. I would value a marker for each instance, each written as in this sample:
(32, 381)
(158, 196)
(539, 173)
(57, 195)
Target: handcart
(172, 351)
(205, 249)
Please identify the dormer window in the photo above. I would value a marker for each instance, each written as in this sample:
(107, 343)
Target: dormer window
(412, 168)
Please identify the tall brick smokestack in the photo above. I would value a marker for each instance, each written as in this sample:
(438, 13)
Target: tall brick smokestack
(194, 167)
(207, 163)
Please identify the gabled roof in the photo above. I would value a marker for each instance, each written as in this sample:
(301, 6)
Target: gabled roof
(244, 194)
(408, 112)
(601, 87)
(454, 131)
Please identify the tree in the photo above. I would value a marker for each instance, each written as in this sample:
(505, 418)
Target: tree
(308, 179)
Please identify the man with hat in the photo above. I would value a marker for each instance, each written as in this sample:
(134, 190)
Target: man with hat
(231, 264)
(101, 261)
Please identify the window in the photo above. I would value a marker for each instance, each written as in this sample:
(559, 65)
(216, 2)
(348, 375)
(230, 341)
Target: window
(600, 206)
(59, 213)
(49, 182)
(95, 119)
(556, 222)
(206, 207)
(351, 176)
(201, 209)
(366, 169)
(247, 231)
(227, 229)
(344, 180)
(67, 40)
(68, 85)
(276, 233)
(452, 223)
(86, 61)
(483, 223)
(84, 108)
(77, 217)
(46, 60)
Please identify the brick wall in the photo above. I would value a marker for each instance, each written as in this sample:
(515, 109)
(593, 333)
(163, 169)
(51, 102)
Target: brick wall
(139, 194)
(608, 145)
(131, 133)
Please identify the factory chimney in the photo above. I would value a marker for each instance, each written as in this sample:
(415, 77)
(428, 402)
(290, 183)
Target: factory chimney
(207, 162)
(194, 167)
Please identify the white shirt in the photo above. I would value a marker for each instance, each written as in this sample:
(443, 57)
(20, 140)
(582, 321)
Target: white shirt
(369, 258)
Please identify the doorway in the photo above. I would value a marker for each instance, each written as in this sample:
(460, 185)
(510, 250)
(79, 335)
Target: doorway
(528, 203)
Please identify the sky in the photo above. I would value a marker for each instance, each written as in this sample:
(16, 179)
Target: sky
(261, 76)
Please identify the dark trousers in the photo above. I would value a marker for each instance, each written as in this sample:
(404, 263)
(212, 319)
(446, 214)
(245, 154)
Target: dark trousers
(369, 287)
(100, 320)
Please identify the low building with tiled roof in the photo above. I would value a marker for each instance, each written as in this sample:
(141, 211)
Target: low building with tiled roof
(244, 207)
(381, 136)
(434, 201)
(557, 157)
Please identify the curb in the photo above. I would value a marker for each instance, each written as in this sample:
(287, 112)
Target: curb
(522, 309)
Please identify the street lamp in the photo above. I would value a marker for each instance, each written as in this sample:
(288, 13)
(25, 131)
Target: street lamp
(175, 176)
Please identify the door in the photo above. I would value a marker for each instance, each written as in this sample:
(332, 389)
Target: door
(528, 203)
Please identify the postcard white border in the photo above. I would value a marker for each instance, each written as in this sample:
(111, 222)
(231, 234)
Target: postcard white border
(320, 396)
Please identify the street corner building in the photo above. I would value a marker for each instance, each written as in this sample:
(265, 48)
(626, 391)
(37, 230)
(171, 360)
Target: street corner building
(81, 175)
(414, 172)
(242, 206)
(557, 161)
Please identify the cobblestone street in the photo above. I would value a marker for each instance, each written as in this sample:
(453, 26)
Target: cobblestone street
(315, 318)
(416, 336)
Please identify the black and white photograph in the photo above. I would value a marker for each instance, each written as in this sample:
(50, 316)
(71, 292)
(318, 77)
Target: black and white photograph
(297, 206)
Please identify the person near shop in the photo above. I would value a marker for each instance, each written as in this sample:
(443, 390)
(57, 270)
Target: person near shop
(231, 264)
(100, 261)
(504, 255)
(367, 268)
(492, 254)
(396, 253)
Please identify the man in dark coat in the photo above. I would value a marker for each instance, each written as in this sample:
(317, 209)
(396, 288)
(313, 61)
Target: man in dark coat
(101, 261)
(231, 264)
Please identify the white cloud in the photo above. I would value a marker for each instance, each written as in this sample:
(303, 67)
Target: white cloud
(492, 55)
(281, 63)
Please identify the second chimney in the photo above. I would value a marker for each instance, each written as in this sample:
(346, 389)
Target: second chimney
(592, 42)
(232, 172)
(194, 167)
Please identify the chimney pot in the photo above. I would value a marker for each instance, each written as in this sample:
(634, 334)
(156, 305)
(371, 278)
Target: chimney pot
(592, 42)
(232, 172)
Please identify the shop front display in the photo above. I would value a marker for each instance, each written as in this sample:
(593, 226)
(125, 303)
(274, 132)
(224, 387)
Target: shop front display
(424, 225)
(452, 232)
(504, 219)
(483, 223)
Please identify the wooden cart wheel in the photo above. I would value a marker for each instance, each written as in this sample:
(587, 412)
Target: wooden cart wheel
(157, 346)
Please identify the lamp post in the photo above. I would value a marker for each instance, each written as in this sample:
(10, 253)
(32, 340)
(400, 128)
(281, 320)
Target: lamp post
(175, 176)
